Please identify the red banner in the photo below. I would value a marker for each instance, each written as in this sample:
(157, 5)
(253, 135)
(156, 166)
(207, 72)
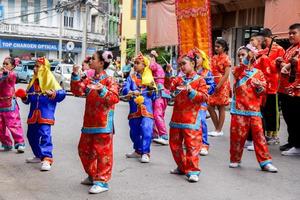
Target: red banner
(194, 25)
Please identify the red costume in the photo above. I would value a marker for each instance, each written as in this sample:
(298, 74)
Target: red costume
(246, 116)
(96, 146)
(221, 96)
(185, 125)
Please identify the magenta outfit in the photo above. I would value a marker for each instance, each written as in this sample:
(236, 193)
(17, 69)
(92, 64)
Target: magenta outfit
(160, 103)
(10, 120)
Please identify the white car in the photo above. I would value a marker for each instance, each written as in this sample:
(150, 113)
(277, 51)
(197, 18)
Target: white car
(62, 74)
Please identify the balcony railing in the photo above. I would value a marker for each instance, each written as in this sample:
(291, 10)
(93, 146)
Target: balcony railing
(49, 33)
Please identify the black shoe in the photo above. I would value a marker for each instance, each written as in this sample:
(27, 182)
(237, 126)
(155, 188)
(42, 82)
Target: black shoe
(285, 147)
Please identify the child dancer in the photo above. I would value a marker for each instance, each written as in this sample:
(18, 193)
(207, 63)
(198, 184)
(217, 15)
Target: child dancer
(160, 103)
(140, 89)
(185, 125)
(9, 109)
(203, 69)
(96, 142)
(43, 93)
(220, 99)
(249, 87)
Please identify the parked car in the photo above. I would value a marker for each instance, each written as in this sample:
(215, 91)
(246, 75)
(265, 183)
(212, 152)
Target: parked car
(24, 71)
(53, 65)
(62, 74)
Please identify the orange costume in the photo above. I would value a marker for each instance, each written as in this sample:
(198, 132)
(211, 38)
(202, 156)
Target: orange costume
(221, 96)
(96, 142)
(185, 125)
(246, 116)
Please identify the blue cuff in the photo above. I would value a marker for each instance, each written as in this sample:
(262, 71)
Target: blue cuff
(192, 94)
(101, 184)
(169, 74)
(264, 163)
(103, 92)
(75, 77)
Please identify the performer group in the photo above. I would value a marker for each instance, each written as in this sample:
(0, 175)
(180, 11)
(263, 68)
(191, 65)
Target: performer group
(265, 77)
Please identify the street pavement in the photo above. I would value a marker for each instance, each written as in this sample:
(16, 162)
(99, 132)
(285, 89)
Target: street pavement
(134, 180)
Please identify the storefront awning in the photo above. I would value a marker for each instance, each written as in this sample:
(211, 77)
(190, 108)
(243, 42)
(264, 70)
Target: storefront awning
(280, 14)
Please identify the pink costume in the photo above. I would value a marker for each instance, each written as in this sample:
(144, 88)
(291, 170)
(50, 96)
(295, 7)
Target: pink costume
(160, 103)
(9, 112)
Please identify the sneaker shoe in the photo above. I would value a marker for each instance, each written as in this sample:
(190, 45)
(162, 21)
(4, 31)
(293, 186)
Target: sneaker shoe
(250, 148)
(234, 165)
(33, 160)
(133, 155)
(248, 143)
(211, 133)
(216, 134)
(145, 158)
(21, 149)
(98, 187)
(87, 181)
(292, 152)
(161, 141)
(45, 165)
(193, 178)
(6, 148)
(273, 141)
(203, 152)
(176, 171)
(270, 168)
(285, 147)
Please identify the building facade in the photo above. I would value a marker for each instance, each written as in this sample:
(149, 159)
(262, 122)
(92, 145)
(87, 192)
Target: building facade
(30, 28)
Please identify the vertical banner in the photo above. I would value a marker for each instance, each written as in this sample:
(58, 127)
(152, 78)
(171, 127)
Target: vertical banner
(194, 25)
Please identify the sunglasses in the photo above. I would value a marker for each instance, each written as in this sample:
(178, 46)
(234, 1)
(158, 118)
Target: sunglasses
(5, 63)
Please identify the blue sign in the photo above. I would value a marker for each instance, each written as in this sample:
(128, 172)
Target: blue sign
(1, 12)
(28, 45)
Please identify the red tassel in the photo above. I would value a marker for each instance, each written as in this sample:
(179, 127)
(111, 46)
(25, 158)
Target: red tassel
(21, 93)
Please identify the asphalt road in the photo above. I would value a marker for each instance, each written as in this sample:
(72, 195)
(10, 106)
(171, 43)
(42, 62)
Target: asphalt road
(133, 180)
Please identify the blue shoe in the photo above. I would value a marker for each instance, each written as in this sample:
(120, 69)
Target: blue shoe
(98, 187)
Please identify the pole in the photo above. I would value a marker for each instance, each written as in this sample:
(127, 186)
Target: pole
(108, 24)
(138, 27)
(60, 36)
(86, 10)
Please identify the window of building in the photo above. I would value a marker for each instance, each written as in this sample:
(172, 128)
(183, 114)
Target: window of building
(69, 19)
(93, 28)
(37, 9)
(24, 11)
(143, 8)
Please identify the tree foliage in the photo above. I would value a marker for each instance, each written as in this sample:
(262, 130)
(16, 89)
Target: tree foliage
(161, 51)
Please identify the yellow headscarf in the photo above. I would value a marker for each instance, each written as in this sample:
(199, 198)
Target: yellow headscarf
(147, 77)
(46, 79)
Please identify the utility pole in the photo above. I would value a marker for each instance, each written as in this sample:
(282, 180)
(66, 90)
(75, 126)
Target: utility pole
(86, 15)
(138, 27)
(60, 36)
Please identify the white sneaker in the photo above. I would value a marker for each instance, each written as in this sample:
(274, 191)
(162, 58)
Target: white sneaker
(87, 181)
(211, 133)
(270, 168)
(203, 152)
(161, 141)
(248, 143)
(145, 158)
(21, 149)
(250, 148)
(292, 152)
(133, 155)
(46, 166)
(193, 178)
(234, 165)
(216, 134)
(33, 160)
(98, 188)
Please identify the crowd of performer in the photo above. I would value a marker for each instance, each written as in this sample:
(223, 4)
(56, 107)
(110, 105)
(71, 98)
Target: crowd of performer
(266, 76)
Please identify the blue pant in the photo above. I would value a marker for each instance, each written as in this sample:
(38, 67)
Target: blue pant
(204, 127)
(141, 130)
(39, 137)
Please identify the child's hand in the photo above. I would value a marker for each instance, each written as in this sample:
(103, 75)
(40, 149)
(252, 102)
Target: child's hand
(50, 93)
(169, 68)
(256, 83)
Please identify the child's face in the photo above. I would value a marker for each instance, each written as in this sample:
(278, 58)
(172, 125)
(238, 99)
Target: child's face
(254, 41)
(199, 62)
(7, 65)
(138, 66)
(186, 66)
(36, 68)
(242, 54)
